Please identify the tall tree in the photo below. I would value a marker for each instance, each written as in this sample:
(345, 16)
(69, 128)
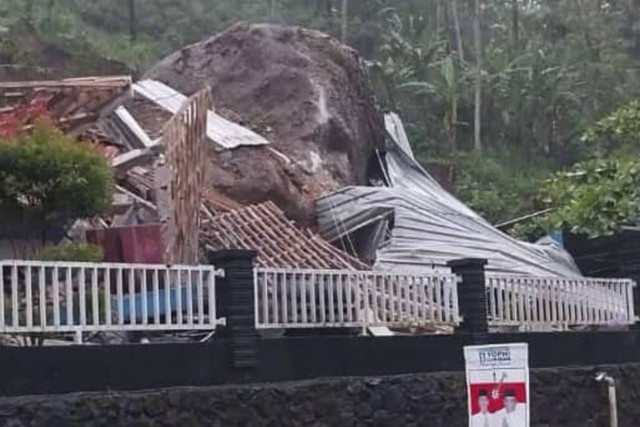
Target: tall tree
(272, 7)
(515, 24)
(344, 21)
(456, 25)
(477, 122)
(132, 20)
(452, 124)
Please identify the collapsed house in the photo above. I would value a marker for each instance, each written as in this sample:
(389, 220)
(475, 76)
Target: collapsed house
(306, 170)
(73, 105)
(239, 177)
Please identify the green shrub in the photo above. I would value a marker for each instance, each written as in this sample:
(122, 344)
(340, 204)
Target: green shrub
(73, 252)
(48, 177)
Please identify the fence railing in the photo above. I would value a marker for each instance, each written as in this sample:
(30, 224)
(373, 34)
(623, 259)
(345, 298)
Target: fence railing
(70, 297)
(57, 297)
(543, 303)
(329, 298)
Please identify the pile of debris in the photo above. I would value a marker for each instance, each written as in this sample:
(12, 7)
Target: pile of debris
(302, 90)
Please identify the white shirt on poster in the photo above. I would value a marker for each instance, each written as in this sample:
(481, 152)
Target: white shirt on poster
(483, 420)
(517, 418)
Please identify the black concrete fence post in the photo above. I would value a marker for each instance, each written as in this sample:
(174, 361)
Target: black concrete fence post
(472, 298)
(236, 302)
(635, 296)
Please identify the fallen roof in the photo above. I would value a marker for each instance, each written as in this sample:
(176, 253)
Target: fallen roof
(428, 226)
(70, 103)
(219, 130)
(280, 244)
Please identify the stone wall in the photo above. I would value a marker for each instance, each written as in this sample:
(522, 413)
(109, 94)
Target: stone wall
(560, 396)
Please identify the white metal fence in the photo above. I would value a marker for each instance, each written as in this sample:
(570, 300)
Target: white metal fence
(535, 303)
(70, 297)
(330, 298)
(57, 297)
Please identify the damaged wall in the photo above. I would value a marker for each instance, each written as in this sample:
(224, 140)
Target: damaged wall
(304, 91)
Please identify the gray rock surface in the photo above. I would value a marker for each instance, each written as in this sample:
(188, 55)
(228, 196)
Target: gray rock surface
(301, 89)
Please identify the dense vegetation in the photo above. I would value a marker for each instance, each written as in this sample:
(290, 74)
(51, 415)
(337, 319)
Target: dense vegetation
(507, 92)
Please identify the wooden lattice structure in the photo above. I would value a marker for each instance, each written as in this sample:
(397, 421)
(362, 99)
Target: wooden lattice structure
(280, 244)
(179, 179)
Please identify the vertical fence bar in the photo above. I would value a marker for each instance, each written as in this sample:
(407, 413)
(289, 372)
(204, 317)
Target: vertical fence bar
(28, 296)
(43, 297)
(573, 303)
(513, 301)
(331, 293)
(189, 297)
(553, 309)
(265, 298)
(322, 285)
(303, 298)
(94, 297)
(56, 296)
(382, 295)
(340, 299)
(587, 303)
(360, 298)
(521, 302)
(414, 299)
(313, 298)
(178, 273)
(82, 304)
(168, 317)
(274, 299)
(144, 309)
(200, 297)
(120, 297)
(132, 297)
(69, 296)
(349, 295)
(283, 298)
(107, 296)
(14, 296)
(500, 297)
(156, 296)
(294, 296)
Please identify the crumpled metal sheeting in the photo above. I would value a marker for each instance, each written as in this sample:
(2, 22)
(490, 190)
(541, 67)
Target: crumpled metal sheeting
(431, 227)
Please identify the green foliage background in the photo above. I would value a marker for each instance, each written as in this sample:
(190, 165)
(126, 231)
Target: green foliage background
(560, 79)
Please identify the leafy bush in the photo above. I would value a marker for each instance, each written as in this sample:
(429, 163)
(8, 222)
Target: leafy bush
(498, 186)
(594, 197)
(47, 176)
(75, 252)
(617, 132)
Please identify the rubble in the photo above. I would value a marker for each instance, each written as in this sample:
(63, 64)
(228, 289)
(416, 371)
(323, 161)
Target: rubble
(303, 91)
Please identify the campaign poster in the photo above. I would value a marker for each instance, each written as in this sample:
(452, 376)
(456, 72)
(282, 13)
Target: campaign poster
(498, 385)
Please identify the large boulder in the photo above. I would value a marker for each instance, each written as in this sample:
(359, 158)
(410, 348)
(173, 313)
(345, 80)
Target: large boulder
(301, 89)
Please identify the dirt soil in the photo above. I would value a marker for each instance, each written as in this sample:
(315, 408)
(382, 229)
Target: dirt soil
(301, 89)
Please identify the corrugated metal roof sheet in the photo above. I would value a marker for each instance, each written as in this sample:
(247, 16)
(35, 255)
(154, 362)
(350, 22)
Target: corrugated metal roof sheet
(279, 242)
(219, 130)
(430, 226)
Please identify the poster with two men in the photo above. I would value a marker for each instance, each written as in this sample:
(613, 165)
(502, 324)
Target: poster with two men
(498, 385)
